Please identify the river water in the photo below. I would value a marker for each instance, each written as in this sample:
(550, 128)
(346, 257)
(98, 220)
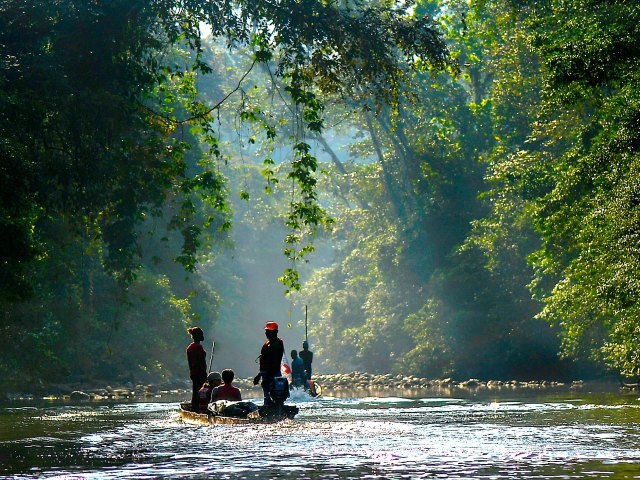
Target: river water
(485, 435)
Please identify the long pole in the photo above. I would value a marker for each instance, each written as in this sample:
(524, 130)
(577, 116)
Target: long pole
(213, 346)
(306, 333)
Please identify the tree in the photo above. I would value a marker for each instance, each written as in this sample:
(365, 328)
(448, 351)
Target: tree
(409, 291)
(574, 176)
(101, 123)
(94, 108)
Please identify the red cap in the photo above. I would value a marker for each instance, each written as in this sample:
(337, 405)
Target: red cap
(271, 326)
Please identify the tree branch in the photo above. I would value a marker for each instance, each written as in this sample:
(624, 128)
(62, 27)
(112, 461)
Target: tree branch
(206, 113)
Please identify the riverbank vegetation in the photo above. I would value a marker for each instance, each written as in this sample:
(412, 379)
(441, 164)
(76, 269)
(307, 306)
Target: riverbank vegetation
(461, 176)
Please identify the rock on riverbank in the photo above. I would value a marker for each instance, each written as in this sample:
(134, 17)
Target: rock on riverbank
(355, 381)
(79, 392)
(361, 380)
(367, 381)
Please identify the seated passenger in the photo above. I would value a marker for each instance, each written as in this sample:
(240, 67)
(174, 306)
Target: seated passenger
(214, 379)
(226, 391)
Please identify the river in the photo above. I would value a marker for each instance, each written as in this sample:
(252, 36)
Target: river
(523, 434)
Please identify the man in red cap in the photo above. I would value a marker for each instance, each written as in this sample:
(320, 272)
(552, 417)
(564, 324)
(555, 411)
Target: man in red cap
(270, 360)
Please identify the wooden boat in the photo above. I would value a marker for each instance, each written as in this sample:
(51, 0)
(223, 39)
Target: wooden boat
(262, 414)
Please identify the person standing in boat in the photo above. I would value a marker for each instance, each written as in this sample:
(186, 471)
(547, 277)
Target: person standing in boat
(226, 391)
(270, 360)
(307, 357)
(297, 370)
(197, 358)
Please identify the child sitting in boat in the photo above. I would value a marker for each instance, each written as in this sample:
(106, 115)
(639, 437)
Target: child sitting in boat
(226, 391)
(214, 379)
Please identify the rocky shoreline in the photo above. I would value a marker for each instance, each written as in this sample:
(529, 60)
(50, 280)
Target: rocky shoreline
(354, 381)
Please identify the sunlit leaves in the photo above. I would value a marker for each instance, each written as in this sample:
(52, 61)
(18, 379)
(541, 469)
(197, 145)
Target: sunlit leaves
(571, 168)
(132, 79)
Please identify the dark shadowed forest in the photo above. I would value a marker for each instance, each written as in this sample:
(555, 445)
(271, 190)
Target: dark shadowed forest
(450, 186)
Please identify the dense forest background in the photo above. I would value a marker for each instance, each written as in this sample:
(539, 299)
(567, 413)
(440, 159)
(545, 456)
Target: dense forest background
(450, 186)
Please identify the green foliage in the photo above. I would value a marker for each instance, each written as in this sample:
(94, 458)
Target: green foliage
(101, 120)
(514, 172)
(104, 88)
(82, 327)
(409, 290)
(570, 170)
(78, 132)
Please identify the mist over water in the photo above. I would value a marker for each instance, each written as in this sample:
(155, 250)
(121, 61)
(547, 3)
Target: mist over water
(251, 294)
(544, 436)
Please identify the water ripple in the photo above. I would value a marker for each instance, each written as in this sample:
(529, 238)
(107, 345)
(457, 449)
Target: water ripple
(391, 438)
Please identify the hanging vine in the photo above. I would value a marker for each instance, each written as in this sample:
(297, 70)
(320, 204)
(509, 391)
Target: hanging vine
(305, 213)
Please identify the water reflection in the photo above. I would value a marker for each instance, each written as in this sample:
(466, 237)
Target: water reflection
(392, 437)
